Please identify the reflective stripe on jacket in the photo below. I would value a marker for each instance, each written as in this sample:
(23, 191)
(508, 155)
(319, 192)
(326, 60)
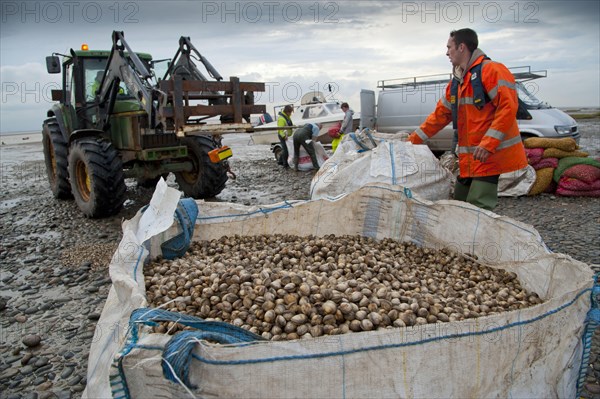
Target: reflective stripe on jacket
(493, 127)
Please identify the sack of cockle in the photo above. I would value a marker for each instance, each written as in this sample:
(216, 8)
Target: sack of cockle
(532, 352)
(391, 161)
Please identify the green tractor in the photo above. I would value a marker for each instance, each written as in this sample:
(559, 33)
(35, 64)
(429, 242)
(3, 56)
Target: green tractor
(115, 119)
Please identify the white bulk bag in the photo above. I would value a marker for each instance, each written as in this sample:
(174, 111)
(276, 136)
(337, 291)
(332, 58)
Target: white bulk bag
(393, 161)
(304, 161)
(534, 352)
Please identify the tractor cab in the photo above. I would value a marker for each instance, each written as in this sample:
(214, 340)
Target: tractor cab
(82, 75)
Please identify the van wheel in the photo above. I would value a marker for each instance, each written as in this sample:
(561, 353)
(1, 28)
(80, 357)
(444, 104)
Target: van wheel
(525, 136)
(277, 150)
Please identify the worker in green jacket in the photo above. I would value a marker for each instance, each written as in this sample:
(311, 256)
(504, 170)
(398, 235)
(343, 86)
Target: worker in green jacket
(284, 120)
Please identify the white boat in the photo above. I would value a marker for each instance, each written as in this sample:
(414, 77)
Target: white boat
(313, 108)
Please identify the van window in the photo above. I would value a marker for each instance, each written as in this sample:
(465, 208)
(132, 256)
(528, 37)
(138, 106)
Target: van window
(530, 100)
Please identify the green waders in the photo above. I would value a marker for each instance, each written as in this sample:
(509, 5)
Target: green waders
(479, 191)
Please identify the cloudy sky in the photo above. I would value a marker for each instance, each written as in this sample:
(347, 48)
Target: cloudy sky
(299, 46)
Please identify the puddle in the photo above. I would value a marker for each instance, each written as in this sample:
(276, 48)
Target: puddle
(11, 203)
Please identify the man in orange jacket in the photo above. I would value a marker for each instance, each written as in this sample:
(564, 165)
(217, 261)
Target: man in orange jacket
(489, 141)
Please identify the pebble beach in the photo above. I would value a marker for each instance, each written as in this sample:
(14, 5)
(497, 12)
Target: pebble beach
(54, 262)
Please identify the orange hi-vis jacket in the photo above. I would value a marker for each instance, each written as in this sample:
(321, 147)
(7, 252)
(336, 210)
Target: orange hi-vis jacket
(493, 127)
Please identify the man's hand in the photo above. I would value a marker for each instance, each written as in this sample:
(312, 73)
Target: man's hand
(481, 154)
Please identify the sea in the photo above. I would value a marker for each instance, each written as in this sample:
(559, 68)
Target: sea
(27, 137)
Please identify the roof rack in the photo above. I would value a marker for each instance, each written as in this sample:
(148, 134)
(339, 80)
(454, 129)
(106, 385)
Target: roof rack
(521, 73)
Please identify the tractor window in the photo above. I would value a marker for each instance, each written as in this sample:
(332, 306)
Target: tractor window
(94, 70)
(69, 91)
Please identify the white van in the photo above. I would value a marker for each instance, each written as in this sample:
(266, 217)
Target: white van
(404, 104)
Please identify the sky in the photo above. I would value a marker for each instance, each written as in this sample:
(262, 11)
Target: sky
(299, 46)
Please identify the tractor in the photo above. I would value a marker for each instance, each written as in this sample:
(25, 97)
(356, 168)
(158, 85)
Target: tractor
(115, 119)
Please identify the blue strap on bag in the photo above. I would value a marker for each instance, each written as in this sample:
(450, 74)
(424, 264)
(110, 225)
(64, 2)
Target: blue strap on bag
(185, 215)
(592, 322)
(177, 354)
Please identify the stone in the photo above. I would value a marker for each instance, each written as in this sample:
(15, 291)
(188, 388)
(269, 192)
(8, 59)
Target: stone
(32, 340)
(8, 374)
(42, 361)
(31, 310)
(44, 369)
(63, 394)
(38, 381)
(12, 359)
(44, 386)
(46, 306)
(26, 370)
(93, 316)
(78, 388)
(31, 259)
(66, 373)
(26, 358)
(592, 388)
(74, 380)
(21, 318)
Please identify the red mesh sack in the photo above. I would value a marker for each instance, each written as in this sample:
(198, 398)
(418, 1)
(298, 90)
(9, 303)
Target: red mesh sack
(534, 155)
(571, 193)
(586, 173)
(545, 163)
(571, 184)
(334, 131)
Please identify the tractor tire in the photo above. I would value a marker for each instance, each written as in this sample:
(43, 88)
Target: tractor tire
(97, 180)
(56, 158)
(208, 179)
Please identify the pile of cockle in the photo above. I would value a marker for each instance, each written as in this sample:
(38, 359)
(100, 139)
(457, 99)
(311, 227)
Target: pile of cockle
(289, 287)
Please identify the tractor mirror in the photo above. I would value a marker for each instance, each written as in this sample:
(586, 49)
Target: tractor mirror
(53, 64)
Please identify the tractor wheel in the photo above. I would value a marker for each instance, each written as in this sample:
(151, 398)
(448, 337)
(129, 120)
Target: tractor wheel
(97, 181)
(207, 179)
(56, 157)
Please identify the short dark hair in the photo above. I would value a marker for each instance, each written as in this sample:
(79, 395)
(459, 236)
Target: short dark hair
(344, 105)
(287, 109)
(466, 36)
